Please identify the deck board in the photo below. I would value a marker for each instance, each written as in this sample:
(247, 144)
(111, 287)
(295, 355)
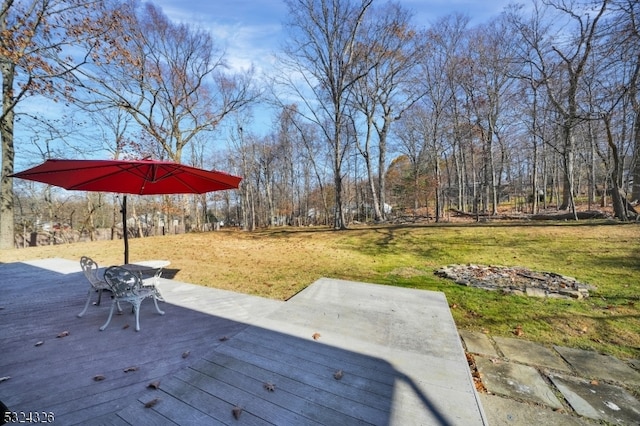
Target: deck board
(398, 349)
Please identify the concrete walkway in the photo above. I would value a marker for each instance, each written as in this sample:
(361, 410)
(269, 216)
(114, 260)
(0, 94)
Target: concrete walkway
(529, 383)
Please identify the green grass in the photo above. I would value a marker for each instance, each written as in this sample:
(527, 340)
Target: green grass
(280, 262)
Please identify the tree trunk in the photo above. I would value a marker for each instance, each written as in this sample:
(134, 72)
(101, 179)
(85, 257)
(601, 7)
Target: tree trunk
(8, 153)
(619, 205)
(375, 201)
(339, 219)
(438, 206)
(568, 202)
(635, 191)
(366, 154)
(382, 160)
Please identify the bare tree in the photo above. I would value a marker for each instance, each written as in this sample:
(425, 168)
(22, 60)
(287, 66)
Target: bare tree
(322, 64)
(312, 159)
(561, 62)
(441, 76)
(34, 35)
(412, 132)
(488, 84)
(626, 36)
(394, 49)
(171, 78)
(613, 76)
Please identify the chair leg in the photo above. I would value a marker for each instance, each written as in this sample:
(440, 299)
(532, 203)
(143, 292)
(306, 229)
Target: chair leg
(99, 297)
(155, 302)
(86, 305)
(136, 309)
(113, 305)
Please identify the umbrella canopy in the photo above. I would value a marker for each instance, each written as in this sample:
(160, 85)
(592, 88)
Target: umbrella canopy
(140, 177)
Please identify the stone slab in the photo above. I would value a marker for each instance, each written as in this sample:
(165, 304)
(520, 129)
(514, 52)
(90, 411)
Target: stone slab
(530, 353)
(599, 401)
(478, 343)
(516, 381)
(594, 365)
(507, 412)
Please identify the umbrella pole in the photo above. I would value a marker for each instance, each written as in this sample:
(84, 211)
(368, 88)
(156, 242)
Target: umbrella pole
(125, 233)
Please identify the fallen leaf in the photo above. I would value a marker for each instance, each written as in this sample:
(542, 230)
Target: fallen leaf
(269, 387)
(479, 385)
(338, 375)
(454, 306)
(595, 383)
(40, 343)
(186, 354)
(124, 327)
(495, 360)
(518, 331)
(4, 379)
(63, 334)
(154, 385)
(99, 378)
(130, 369)
(152, 403)
(237, 410)
(223, 339)
(315, 336)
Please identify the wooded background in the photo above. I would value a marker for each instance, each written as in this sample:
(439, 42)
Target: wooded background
(375, 116)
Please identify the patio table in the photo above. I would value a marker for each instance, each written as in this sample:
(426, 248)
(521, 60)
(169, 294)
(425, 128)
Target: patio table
(149, 271)
(147, 265)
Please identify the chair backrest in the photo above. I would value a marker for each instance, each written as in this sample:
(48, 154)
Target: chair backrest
(90, 269)
(122, 281)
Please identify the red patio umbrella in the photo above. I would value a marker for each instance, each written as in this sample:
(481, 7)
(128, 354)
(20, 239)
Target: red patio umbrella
(141, 177)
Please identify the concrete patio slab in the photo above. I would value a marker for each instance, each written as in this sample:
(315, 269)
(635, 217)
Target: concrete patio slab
(516, 381)
(478, 343)
(60, 266)
(594, 365)
(599, 401)
(431, 374)
(530, 353)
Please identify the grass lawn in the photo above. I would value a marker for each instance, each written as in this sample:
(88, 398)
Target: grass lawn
(277, 263)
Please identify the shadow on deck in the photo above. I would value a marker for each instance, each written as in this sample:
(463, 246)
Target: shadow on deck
(215, 351)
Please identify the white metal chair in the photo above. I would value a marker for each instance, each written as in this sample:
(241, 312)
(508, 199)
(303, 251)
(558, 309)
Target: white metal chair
(98, 284)
(152, 282)
(127, 286)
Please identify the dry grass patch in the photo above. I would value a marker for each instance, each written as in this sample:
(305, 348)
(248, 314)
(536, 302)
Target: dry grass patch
(278, 263)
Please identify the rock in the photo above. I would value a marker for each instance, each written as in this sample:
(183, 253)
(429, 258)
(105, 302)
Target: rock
(516, 280)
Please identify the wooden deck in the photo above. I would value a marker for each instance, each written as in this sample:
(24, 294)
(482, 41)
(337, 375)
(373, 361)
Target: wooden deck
(398, 351)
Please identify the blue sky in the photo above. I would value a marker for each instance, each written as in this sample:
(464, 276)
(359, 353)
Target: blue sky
(251, 30)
